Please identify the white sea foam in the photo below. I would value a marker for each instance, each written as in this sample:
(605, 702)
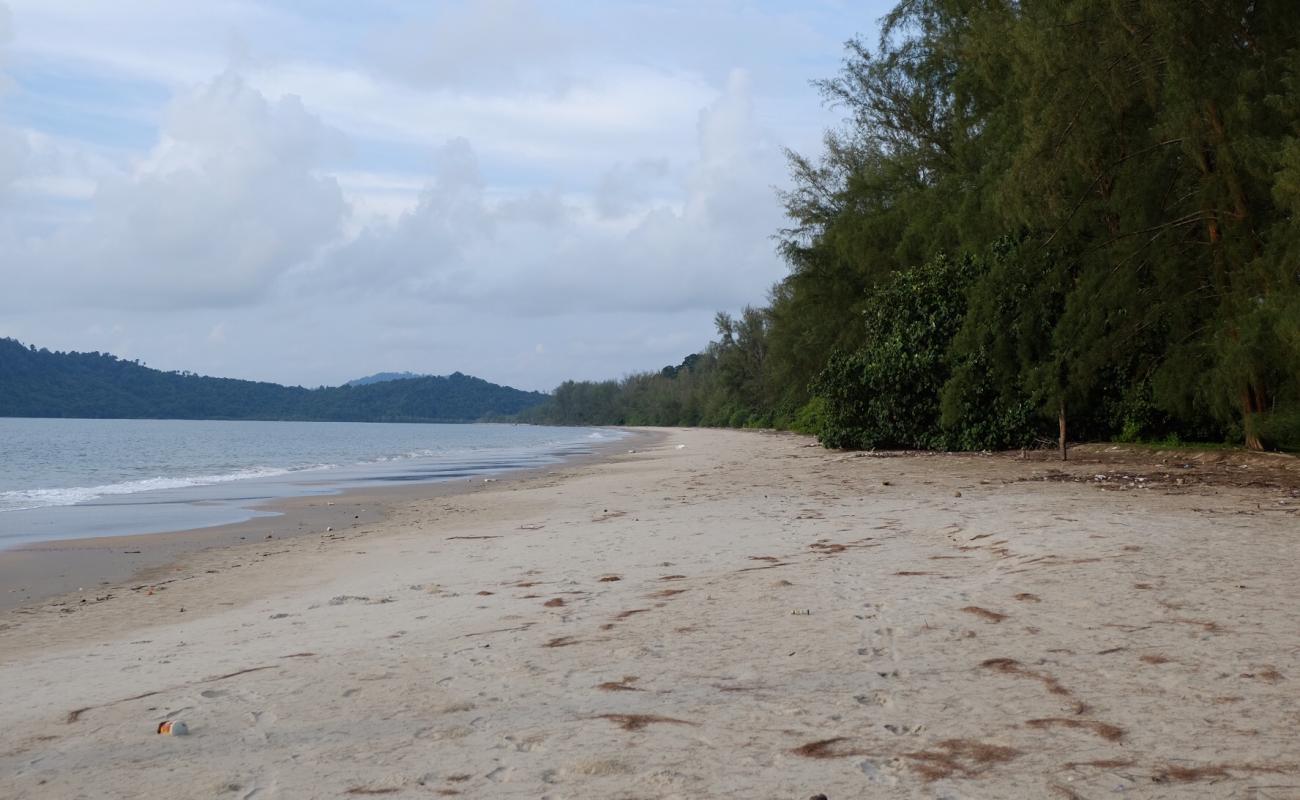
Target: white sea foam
(24, 499)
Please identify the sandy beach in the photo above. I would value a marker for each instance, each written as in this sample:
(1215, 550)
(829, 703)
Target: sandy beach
(719, 614)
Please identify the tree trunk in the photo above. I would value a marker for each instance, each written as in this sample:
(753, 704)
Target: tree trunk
(1060, 418)
(1249, 407)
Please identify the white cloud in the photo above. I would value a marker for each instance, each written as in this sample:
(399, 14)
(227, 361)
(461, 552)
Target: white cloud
(13, 147)
(6, 34)
(537, 255)
(623, 187)
(165, 42)
(227, 200)
(476, 45)
(624, 108)
(14, 152)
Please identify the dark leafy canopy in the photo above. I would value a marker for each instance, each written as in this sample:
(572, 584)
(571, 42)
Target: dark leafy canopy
(726, 385)
(887, 392)
(1116, 183)
(39, 383)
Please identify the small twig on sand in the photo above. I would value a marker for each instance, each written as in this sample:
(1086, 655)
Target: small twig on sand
(75, 714)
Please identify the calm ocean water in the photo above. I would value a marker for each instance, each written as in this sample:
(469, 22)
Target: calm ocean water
(72, 478)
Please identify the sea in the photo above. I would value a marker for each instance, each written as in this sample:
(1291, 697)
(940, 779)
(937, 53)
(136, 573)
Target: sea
(76, 478)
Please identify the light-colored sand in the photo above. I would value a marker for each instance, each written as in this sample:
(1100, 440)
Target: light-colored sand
(746, 616)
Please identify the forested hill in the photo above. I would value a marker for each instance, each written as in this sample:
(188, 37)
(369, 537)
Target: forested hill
(40, 383)
(1037, 221)
(380, 377)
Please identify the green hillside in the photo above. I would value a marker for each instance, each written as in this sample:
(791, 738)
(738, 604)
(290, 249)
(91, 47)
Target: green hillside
(40, 383)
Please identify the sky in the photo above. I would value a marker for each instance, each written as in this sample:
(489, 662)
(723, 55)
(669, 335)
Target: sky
(310, 192)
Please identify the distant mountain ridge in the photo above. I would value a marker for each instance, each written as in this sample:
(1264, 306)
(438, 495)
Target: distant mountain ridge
(40, 383)
(381, 377)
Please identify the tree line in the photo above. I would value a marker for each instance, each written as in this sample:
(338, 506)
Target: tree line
(1039, 221)
(42, 383)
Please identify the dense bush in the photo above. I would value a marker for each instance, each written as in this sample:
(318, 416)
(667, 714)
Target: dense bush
(886, 393)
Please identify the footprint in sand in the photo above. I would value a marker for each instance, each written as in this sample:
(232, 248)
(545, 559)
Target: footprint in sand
(885, 773)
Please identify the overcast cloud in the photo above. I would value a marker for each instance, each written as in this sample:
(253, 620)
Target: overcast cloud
(520, 190)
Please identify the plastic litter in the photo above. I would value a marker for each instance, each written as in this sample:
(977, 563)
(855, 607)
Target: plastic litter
(173, 727)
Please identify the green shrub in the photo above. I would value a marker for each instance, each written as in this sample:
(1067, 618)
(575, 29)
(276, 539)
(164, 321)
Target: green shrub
(808, 419)
(886, 394)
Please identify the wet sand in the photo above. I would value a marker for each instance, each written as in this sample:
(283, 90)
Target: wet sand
(724, 614)
(91, 567)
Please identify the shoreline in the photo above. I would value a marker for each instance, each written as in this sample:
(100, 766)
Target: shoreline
(721, 614)
(41, 572)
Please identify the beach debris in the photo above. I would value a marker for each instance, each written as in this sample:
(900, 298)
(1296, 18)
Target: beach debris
(1111, 733)
(886, 483)
(665, 593)
(991, 616)
(173, 727)
(329, 530)
(828, 748)
(76, 714)
(962, 758)
(818, 797)
(523, 627)
(532, 526)
(680, 447)
(802, 612)
(1010, 666)
(956, 494)
(636, 722)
